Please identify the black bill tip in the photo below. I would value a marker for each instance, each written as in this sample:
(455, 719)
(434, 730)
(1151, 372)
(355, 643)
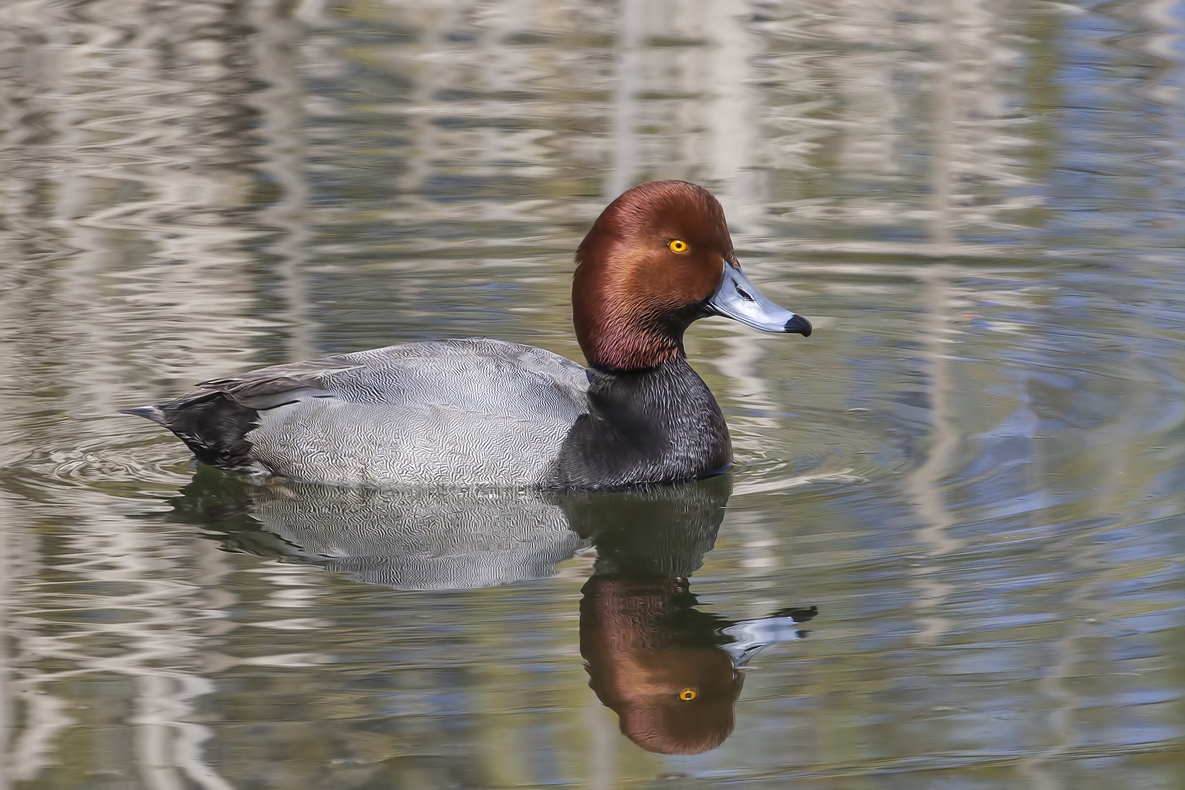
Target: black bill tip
(798, 324)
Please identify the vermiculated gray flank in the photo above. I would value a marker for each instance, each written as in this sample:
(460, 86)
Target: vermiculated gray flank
(457, 412)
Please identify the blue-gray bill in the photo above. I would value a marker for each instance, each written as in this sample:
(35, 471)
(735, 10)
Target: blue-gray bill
(739, 299)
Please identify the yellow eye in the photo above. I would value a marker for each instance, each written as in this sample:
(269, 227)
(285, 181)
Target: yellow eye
(687, 695)
(679, 247)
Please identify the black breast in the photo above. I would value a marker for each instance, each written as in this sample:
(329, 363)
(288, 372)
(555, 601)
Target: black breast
(654, 426)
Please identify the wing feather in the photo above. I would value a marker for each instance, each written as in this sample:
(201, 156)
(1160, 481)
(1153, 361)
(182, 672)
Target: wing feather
(480, 376)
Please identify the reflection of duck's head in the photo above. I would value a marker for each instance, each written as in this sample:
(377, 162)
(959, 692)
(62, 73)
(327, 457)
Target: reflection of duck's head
(669, 671)
(651, 656)
(654, 660)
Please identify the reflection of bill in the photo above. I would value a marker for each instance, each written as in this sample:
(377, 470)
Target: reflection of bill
(669, 671)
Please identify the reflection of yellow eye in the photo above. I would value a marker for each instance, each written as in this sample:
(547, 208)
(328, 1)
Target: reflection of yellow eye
(678, 246)
(687, 695)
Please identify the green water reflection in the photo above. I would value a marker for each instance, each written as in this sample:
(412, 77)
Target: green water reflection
(973, 468)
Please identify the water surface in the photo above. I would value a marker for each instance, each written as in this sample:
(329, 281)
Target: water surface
(972, 471)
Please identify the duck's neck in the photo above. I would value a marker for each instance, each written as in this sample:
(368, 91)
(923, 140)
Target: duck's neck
(658, 425)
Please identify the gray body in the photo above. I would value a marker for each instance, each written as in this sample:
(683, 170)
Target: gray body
(457, 413)
(466, 413)
(469, 412)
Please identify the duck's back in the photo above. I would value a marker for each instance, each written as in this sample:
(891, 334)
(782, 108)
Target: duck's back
(458, 412)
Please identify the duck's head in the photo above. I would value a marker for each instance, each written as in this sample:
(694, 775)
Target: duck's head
(658, 258)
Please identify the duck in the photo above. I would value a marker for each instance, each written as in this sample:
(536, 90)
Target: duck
(485, 413)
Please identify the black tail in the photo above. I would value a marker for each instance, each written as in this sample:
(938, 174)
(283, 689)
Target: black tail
(212, 425)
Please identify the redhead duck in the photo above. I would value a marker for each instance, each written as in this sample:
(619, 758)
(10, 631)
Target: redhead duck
(475, 413)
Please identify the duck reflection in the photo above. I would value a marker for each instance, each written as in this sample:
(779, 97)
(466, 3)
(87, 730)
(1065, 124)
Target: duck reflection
(425, 540)
(670, 671)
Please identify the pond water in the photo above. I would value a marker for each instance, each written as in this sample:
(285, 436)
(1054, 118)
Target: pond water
(950, 554)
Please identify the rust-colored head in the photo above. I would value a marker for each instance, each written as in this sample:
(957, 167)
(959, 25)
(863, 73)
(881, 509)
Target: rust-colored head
(658, 258)
(634, 293)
